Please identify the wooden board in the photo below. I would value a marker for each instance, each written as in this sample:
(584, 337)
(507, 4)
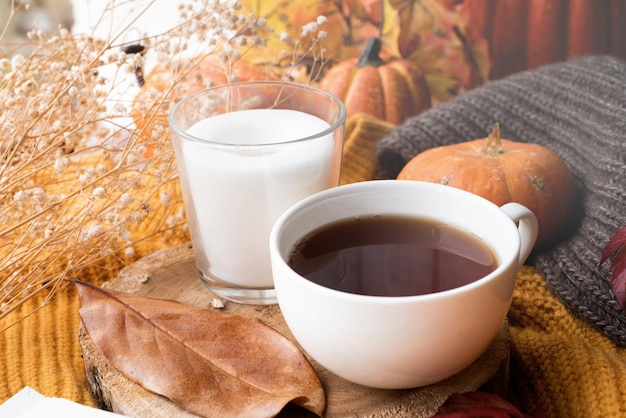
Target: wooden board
(171, 274)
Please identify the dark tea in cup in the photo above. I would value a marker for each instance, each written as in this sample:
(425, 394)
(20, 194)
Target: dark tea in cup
(391, 255)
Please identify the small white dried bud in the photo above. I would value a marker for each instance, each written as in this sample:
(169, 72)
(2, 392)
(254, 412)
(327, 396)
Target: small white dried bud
(165, 197)
(241, 40)
(137, 216)
(87, 175)
(91, 232)
(120, 59)
(125, 201)
(284, 37)
(48, 231)
(137, 60)
(309, 28)
(60, 164)
(17, 60)
(20, 196)
(99, 192)
(129, 252)
(38, 194)
(217, 303)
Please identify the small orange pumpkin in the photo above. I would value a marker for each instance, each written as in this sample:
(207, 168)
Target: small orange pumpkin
(503, 171)
(391, 91)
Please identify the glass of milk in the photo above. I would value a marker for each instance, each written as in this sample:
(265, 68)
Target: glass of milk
(246, 152)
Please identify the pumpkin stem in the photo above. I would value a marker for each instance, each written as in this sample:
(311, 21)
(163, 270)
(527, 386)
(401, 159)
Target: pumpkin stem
(371, 53)
(493, 146)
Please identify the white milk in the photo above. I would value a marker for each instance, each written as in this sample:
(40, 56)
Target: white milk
(238, 192)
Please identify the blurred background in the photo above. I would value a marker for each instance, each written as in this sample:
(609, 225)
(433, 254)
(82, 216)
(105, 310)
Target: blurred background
(100, 18)
(469, 41)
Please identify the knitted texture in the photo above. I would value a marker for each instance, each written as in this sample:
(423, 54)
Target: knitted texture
(42, 350)
(363, 132)
(561, 366)
(578, 110)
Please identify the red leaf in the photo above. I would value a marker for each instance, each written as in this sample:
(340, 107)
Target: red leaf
(210, 363)
(616, 242)
(616, 250)
(477, 404)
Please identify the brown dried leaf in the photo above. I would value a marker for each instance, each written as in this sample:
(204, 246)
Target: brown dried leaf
(416, 18)
(210, 363)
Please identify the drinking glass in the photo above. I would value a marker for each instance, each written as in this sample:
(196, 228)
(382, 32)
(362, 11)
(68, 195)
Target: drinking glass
(245, 153)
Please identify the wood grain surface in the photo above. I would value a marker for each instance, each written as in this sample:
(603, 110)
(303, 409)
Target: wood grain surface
(171, 274)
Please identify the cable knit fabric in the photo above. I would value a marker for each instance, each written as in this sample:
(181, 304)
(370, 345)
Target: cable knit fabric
(578, 110)
(362, 136)
(561, 366)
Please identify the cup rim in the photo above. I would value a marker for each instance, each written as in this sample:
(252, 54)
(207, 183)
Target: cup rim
(503, 264)
(341, 118)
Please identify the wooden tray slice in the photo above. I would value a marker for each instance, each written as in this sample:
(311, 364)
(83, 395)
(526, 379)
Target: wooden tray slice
(171, 274)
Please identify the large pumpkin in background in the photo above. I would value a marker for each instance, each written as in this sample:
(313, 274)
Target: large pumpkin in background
(524, 34)
(504, 171)
(391, 91)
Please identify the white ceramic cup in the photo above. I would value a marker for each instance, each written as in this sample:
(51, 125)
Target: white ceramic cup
(405, 341)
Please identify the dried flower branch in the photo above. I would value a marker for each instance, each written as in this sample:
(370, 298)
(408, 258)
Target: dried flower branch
(79, 181)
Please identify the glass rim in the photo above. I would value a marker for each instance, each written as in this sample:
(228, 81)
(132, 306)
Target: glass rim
(341, 118)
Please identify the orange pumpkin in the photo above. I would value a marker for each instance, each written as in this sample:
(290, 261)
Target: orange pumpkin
(503, 171)
(391, 91)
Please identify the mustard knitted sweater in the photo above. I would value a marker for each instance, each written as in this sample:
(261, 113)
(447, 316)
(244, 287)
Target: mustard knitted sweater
(561, 366)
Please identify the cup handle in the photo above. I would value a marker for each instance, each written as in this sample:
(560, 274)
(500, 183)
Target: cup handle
(527, 226)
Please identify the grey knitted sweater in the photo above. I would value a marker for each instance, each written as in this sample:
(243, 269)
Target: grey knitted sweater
(577, 109)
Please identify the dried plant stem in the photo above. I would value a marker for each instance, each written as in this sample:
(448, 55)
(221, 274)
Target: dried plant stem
(87, 173)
